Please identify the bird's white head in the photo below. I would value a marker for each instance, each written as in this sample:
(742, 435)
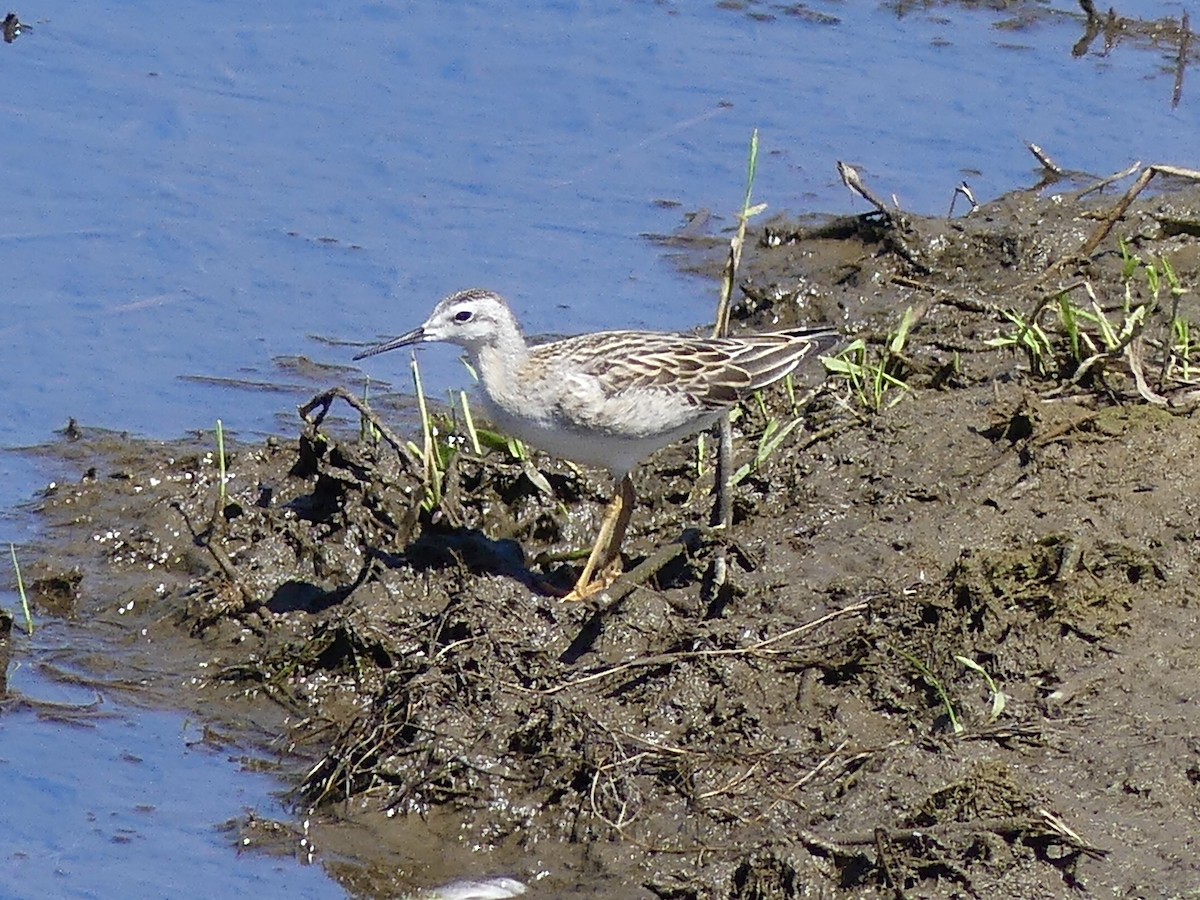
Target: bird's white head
(473, 319)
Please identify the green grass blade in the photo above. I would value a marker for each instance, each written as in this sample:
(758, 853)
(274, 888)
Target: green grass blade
(469, 421)
(21, 590)
(221, 462)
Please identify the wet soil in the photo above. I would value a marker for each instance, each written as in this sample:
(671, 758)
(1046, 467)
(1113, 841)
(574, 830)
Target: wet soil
(955, 654)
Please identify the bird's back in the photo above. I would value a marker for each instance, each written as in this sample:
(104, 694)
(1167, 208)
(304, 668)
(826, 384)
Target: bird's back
(711, 373)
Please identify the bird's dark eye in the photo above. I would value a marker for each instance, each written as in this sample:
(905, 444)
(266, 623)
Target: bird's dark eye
(463, 315)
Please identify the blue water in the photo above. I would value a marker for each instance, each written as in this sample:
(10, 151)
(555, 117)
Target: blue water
(171, 180)
(103, 799)
(196, 194)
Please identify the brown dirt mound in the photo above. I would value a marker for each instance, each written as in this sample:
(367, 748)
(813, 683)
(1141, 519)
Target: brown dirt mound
(954, 657)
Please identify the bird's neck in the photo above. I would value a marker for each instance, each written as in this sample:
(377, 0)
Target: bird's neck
(498, 361)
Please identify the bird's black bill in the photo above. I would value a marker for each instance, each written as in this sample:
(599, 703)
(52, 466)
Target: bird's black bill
(413, 337)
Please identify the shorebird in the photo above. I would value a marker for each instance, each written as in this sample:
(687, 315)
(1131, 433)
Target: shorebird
(607, 399)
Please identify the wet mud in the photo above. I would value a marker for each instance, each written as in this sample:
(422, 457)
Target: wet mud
(954, 654)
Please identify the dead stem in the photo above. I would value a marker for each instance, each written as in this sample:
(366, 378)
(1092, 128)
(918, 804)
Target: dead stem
(664, 659)
(325, 399)
(1106, 224)
(1043, 158)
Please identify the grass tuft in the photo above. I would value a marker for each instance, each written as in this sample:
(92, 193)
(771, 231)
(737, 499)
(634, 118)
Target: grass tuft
(938, 686)
(1076, 336)
(875, 379)
(999, 698)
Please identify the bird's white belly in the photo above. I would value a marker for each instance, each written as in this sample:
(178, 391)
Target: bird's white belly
(618, 447)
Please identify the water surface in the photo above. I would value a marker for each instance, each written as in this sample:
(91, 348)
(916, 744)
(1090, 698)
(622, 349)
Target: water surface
(204, 203)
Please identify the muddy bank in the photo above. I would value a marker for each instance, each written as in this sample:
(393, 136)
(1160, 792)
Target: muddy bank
(954, 656)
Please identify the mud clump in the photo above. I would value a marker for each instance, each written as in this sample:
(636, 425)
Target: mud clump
(948, 662)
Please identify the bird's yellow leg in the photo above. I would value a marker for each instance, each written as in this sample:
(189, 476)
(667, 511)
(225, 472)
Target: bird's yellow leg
(606, 554)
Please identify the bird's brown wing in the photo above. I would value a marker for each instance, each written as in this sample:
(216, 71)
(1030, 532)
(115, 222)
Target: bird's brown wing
(710, 372)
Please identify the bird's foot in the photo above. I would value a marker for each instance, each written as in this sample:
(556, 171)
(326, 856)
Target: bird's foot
(598, 585)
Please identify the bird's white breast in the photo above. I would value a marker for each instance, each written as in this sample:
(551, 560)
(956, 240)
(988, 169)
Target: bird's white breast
(569, 415)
